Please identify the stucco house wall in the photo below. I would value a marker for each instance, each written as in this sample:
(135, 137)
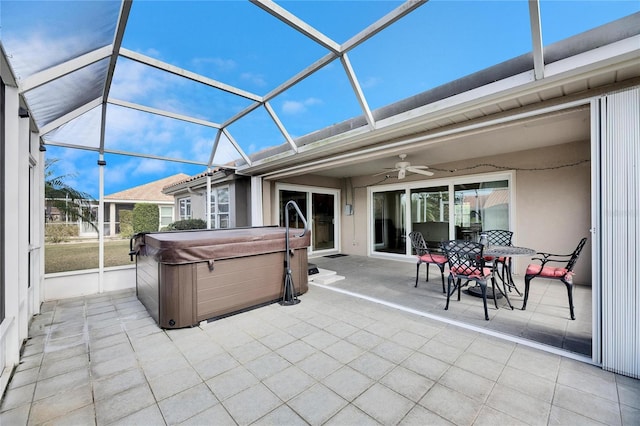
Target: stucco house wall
(551, 212)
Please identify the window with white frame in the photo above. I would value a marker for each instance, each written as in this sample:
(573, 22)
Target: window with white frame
(166, 216)
(220, 207)
(185, 208)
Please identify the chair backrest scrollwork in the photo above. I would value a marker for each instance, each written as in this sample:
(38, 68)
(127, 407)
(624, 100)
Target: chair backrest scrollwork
(576, 254)
(418, 243)
(465, 257)
(499, 237)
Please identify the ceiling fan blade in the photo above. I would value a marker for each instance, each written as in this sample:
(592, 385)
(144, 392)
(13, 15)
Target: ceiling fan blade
(420, 167)
(420, 171)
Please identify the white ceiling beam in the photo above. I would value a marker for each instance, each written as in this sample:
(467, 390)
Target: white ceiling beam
(70, 116)
(117, 44)
(241, 114)
(143, 59)
(298, 24)
(355, 85)
(326, 59)
(163, 113)
(283, 130)
(215, 147)
(154, 157)
(382, 23)
(536, 39)
(237, 147)
(50, 74)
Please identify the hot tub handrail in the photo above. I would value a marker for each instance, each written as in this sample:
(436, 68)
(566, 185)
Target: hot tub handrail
(289, 295)
(300, 215)
(132, 251)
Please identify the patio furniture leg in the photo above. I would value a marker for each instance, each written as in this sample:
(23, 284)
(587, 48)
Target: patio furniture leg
(495, 295)
(483, 287)
(446, 307)
(418, 272)
(441, 266)
(527, 280)
(570, 294)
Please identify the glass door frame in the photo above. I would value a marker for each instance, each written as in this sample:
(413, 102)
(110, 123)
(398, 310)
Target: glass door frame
(310, 190)
(450, 182)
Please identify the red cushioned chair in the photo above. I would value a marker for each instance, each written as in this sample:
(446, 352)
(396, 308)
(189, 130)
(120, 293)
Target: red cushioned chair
(425, 256)
(563, 273)
(466, 262)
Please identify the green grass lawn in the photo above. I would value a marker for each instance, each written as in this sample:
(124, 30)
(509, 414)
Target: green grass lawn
(80, 255)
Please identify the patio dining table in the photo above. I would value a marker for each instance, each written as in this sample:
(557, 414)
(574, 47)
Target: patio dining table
(507, 252)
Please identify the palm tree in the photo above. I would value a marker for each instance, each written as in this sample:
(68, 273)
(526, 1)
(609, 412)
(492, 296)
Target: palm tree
(70, 202)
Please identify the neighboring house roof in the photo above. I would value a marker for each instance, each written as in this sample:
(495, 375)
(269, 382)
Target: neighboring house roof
(150, 192)
(217, 175)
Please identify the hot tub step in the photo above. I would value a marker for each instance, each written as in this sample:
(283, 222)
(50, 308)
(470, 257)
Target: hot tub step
(325, 276)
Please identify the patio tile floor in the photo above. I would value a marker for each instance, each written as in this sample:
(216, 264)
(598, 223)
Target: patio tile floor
(333, 359)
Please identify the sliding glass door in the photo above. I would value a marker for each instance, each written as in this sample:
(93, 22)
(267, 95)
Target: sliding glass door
(389, 221)
(443, 209)
(319, 206)
(480, 206)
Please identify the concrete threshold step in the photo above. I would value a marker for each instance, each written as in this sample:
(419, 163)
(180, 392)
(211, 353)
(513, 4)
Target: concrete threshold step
(325, 276)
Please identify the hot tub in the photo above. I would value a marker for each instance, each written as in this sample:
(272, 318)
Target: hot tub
(185, 277)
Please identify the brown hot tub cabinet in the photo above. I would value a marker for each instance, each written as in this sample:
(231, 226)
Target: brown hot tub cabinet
(186, 277)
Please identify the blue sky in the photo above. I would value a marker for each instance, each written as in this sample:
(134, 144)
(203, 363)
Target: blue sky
(239, 44)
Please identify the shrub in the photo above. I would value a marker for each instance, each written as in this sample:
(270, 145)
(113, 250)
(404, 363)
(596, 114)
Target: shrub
(146, 218)
(59, 232)
(185, 224)
(126, 223)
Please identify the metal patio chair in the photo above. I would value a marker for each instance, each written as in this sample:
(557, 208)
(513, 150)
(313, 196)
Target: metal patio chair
(502, 265)
(425, 256)
(467, 263)
(563, 273)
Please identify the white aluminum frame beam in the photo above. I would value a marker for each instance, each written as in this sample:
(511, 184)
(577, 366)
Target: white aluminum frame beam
(156, 111)
(70, 116)
(355, 85)
(50, 74)
(382, 23)
(283, 130)
(117, 44)
(236, 146)
(304, 28)
(143, 59)
(298, 24)
(536, 39)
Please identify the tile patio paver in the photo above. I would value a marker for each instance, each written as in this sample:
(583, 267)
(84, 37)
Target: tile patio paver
(333, 359)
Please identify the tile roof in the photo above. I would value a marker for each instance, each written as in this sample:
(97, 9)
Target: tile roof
(151, 191)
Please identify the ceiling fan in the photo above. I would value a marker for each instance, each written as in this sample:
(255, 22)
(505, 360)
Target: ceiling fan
(402, 167)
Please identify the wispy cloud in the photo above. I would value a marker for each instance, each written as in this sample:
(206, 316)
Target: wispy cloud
(298, 107)
(255, 79)
(370, 82)
(214, 64)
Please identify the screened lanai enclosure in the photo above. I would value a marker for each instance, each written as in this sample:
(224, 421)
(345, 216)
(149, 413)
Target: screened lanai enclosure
(378, 118)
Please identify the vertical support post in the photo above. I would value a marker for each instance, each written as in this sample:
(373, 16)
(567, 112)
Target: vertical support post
(208, 201)
(101, 164)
